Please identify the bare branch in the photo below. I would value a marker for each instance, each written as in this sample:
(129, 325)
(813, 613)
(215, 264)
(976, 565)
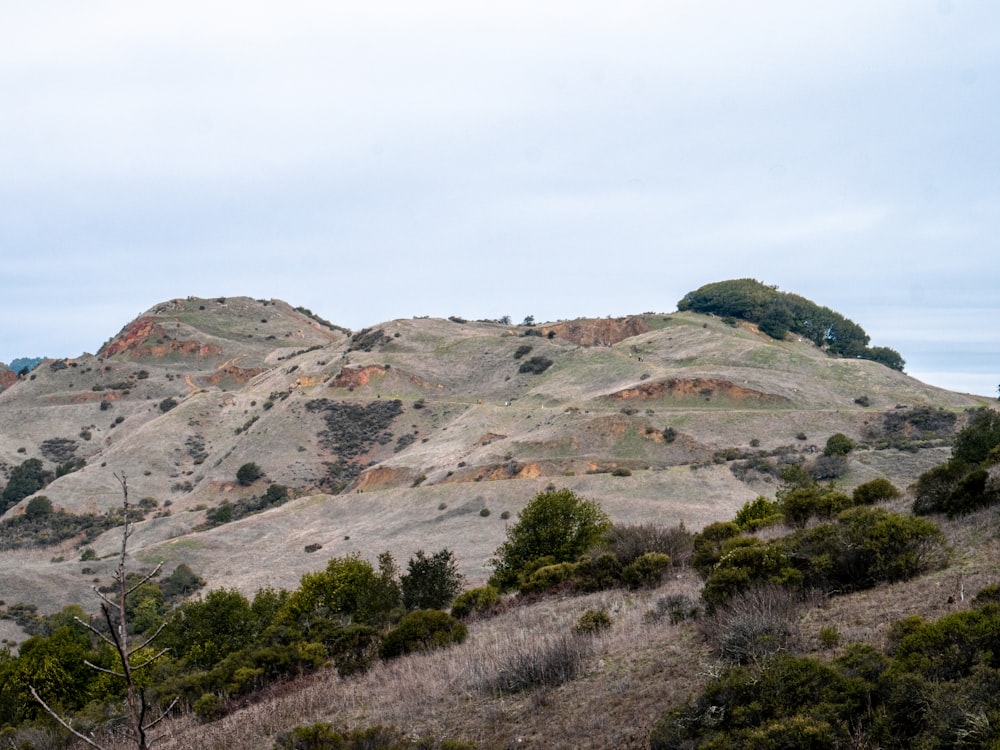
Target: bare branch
(63, 722)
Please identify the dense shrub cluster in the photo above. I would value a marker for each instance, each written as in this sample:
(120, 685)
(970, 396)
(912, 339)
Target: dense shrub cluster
(936, 686)
(536, 365)
(26, 478)
(367, 340)
(225, 512)
(351, 430)
(862, 547)
(908, 429)
(322, 736)
(224, 645)
(968, 480)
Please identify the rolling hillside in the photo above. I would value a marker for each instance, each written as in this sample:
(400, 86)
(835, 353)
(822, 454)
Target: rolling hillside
(420, 433)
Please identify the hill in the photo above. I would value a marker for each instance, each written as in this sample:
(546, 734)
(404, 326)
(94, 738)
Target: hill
(260, 441)
(404, 435)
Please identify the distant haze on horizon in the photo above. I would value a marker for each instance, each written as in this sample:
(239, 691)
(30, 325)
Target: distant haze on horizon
(387, 160)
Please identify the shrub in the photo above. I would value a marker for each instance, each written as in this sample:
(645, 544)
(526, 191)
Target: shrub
(758, 513)
(982, 434)
(167, 404)
(749, 564)
(209, 707)
(26, 478)
(708, 544)
(355, 649)
(475, 602)
(828, 467)
(864, 547)
(621, 471)
(646, 571)
(876, 491)
(422, 630)
(630, 541)
(535, 366)
(677, 607)
(546, 577)
(829, 636)
(533, 661)
(592, 621)
(838, 444)
(38, 507)
(319, 736)
(522, 350)
(598, 572)
(249, 473)
(556, 523)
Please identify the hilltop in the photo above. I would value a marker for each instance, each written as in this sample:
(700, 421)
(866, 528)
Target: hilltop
(420, 433)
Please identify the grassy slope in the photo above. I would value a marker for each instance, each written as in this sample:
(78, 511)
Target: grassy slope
(559, 425)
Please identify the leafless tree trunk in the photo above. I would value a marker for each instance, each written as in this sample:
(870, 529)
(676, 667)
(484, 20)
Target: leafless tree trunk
(117, 636)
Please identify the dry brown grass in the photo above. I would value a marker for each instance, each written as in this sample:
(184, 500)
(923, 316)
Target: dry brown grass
(629, 676)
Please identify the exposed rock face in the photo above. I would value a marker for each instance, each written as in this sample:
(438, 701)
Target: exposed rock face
(356, 377)
(708, 388)
(230, 373)
(144, 337)
(7, 377)
(598, 332)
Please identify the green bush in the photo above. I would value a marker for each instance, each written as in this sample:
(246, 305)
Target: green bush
(354, 649)
(598, 572)
(750, 563)
(864, 547)
(757, 514)
(422, 630)
(592, 621)
(708, 544)
(319, 736)
(476, 602)
(876, 491)
(209, 707)
(646, 571)
(26, 478)
(38, 507)
(547, 577)
(838, 444)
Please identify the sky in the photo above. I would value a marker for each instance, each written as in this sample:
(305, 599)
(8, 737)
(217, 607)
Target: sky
(381, 160)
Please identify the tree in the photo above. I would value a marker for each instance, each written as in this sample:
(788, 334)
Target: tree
(556, 524)
(248, 473)
(130, 659)
(430, 582)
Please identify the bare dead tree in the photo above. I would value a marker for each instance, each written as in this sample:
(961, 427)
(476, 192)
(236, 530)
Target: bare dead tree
(117, 636)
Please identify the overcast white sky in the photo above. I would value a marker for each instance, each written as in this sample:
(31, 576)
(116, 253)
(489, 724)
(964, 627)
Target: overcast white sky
(379, 160)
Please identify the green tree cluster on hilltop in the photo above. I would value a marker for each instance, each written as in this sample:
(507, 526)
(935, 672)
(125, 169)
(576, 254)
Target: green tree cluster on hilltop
(778, 313)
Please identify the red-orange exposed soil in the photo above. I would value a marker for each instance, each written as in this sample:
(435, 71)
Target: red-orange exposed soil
(598, 332)
(7, 377)
(144, 337)
(708, 388)
(356, 377)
